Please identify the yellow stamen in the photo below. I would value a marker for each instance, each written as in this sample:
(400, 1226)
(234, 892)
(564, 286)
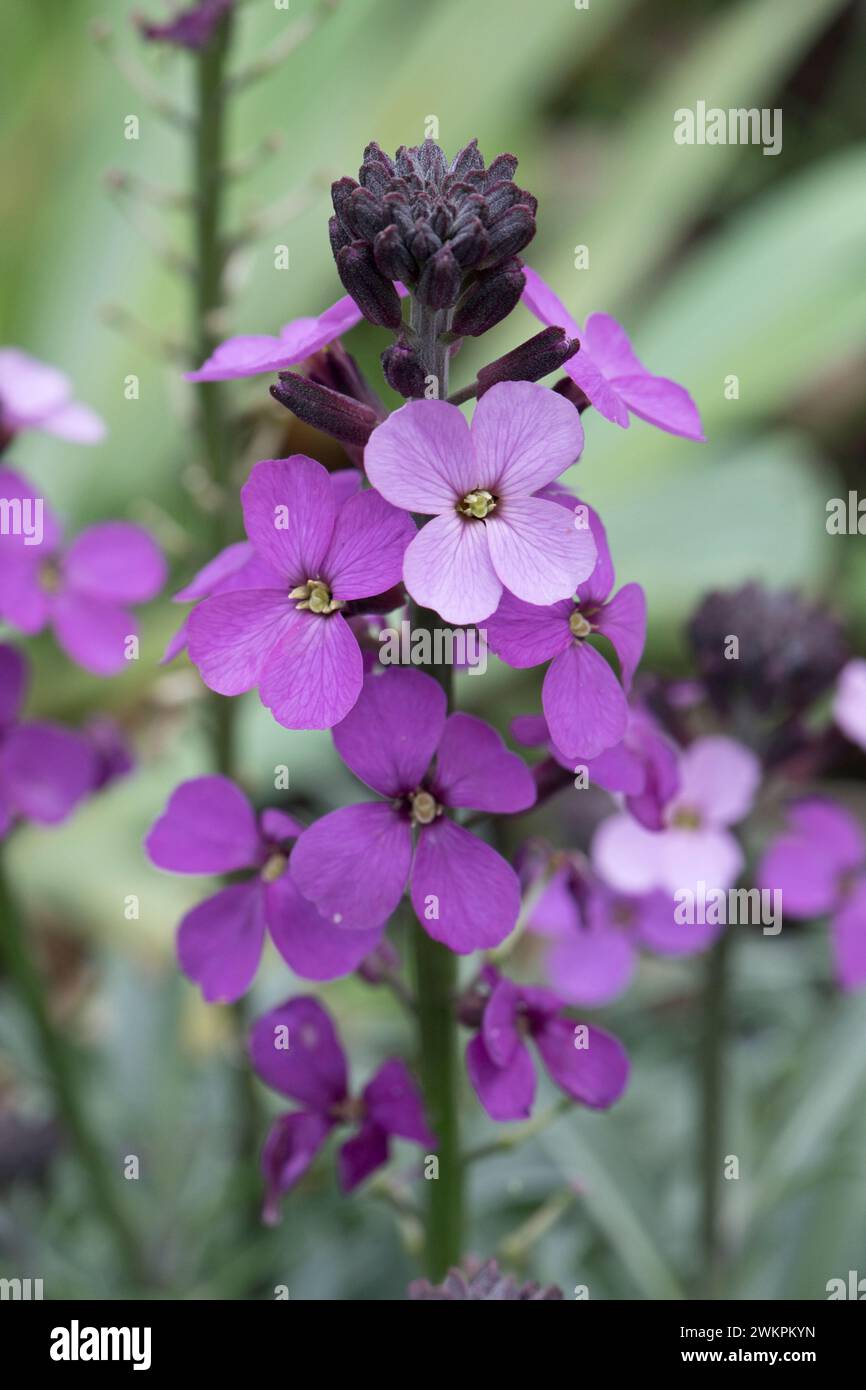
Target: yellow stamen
(478, 504)
(315, 596)
(580, 626)
(425, 808)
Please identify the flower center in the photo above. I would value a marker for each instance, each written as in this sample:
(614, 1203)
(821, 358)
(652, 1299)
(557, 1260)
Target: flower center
(478, 504)
(425, 808)
(580, 626)
(350, 1111)
(686, 818)
(273, 868)
(50, 577)
(315, 596)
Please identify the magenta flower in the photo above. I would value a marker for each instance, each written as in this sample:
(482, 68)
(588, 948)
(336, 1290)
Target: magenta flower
(849, 702)
(45, 770)
(584, 704)
(819, 865)
(355, 862)
(191, 28)
(587, 1064)
(289, 637)
(607, 371)
(255, 354)
(80, 589)
(488, 530)
(718, 779)
(34, 396)
(596, 934)
(296, 1051)
(209, 827)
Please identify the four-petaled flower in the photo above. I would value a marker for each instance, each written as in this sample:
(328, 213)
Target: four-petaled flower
(34, 396)
(295, 1050)
(209, 827)
(355, 862)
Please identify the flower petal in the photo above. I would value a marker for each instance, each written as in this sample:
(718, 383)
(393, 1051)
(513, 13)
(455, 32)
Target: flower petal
(421, 458)
(362, 1155)
(93, 632)
(526, 634)
(289, 513)
(536, 550)
(394, 1103)
(594, 1073)
(447, 567)
(591, 967)
(45, 771)
(308, 943)
(313, 676)
(541, 301)
(507, 1093)
(219, 943)
(116, 562)
(14, 679)
(848, 937)
(231, 636)
(663, 403)
(463, 892)
(251, 355)
(366, 554)
(623, 623)
(719, 777)
(391, 735)
(474, 768)
(584, 704)
(295, 1050)
(354, 864)
(208, 827)
(849, 703)
(292, 1143)
(524, 436)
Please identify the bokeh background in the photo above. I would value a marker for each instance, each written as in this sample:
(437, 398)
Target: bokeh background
(721, 261)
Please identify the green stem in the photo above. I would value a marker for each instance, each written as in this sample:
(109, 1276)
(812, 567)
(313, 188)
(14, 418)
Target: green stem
(712, 1112)
(60, 1065)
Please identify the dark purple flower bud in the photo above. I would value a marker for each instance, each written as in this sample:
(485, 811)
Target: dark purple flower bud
(469, 158)
(392, 256)
(439, 282)
(377, 171)
(381, 964)
(471, 244)
(504, 166)
(338, 235)
(572, 392)
(532, 360)
(403, 369)
(324, 409)
(486, 1285)
(374, 295)
(337, 369)
(341, 195)
(365, 214)
(192, 28)
(509, 234)
(489, 300)
(424, 242)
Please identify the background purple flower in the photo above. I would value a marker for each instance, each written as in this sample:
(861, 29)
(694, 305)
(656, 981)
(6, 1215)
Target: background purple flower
(289, 637)
(718, 779)
(354, 863)
(209, 827)
(296, 1051)
(190, 28)
(819, 865)
(500, 1064)
(45, 770)
(584, 704)
(488, 530)
(80, 589)
(255, 354)
(849, 703)
(607, 370)
(34, 396)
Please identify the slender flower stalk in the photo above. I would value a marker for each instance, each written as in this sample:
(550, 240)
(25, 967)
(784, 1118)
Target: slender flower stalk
(711, 1114)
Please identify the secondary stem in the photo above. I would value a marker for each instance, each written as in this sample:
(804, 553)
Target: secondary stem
(712, 1111)
(59, 1063)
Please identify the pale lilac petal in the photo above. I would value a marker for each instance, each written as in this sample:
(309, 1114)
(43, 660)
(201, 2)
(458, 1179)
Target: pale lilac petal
(14, 680)
(623, 623)
(507, 1093)
(45, 771)
(231, 636)
(366, 554)
(588, 375)
(556, 912)
(595, 1074)
(115, 561)
(354, 863)
(253, 354)
(596, 588)
(310, 945)
(208, 827)
(292, 1143)
(313, 676)
(219, 943)
(176, 644)
(75, 422)
(611, 347)
(849, 704)
(526, 634)
(663, 403)
(848, 937)
(719, 777)
(463, 892)
(474, 768)
(394, 1103)
(345, 483)
(541, 301)
(29, 389)
(591, 967)
(536, 551)
(289, 513)
(296, 1051)
(447, 567)
(658, 930)
(626, 854)
(389, 738)
(362, 1155)
(221, 567)
(93, 632)
(689, 857)
(584, 705)
(524, 436)
(421, 458)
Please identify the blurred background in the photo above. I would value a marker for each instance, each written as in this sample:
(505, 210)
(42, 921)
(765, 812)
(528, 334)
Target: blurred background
(721, 261)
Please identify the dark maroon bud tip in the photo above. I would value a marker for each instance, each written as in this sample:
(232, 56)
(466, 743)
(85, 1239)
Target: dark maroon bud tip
(404, 370)
(392, 256)
(374, 295)
(513, 230)
(572, 392)
(439, 282)
(341, 192)
(489, 300)
(532, 360)
(324, 409)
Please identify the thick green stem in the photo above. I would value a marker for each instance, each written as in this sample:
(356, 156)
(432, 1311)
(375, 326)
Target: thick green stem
(57, 1056)
(712, 1112)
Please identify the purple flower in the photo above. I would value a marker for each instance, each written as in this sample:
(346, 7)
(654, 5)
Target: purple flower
(296, 1051)
(192, 28)
(587, 1064)
(607, 371)
(253, 355)
(45, 770)
(486, 1284)
(34, 396)
(488, 530)
(596, 933)
(584, 704)
(718, 779)
(289, 636)
(354, 863)
(209, 827)
(849, 702)
(80, 589)
(819, 865)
